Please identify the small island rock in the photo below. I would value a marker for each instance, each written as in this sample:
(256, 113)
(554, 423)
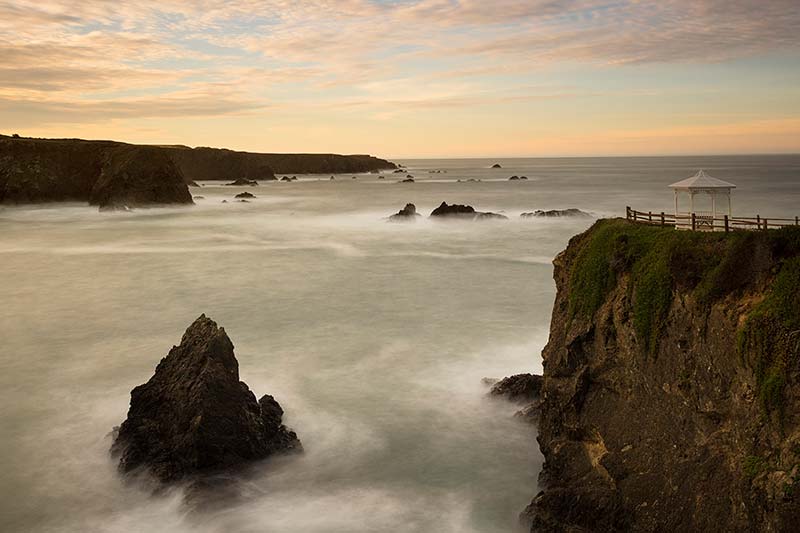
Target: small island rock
(195, 417)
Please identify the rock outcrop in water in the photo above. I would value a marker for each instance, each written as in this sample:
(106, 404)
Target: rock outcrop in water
(555, 213)
(518, 388)
(671, 393)
(407, 214)
(195, 417)
(458, 211)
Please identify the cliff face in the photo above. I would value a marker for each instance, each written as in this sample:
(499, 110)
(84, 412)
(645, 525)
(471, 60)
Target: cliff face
(104, 173)
(670, 392)
(111, 173)
(220, 164)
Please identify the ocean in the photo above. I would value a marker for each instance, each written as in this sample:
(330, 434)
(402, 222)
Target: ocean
(373, 336)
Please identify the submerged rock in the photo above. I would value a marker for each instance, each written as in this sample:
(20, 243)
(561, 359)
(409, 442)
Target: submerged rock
(463, 211)
(408, 180)
(245, 195)
(496, 165)
(517, 178)
(554, 213)
(195, 417)
(407, 214)
(242, 182)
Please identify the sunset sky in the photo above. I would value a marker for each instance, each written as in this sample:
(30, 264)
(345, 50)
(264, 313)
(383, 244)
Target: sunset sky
(427, 78)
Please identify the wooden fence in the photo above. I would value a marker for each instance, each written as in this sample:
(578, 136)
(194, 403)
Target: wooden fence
(707, 222)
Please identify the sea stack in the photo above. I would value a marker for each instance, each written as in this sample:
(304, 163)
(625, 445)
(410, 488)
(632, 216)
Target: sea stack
(195, 417)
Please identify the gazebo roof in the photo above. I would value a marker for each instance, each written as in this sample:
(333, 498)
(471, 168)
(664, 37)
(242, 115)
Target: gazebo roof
(701, 180)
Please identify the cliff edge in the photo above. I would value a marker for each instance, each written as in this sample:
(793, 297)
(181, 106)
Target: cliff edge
(670, 394)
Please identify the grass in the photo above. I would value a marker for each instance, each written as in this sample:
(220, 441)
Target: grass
(769, 340)
(710, 266)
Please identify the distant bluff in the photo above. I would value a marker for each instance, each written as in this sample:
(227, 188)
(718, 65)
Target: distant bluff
(104, 173)
(671, 391)
(107, 173)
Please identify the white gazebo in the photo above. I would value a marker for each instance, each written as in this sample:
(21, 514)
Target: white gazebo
(702, 183)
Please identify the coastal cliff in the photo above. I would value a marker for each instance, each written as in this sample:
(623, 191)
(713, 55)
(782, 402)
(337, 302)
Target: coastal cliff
(670, 392)
(104, 173)
(109, 173)
(221, 164)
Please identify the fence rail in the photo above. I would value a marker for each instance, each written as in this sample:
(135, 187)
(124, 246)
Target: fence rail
(708, 222)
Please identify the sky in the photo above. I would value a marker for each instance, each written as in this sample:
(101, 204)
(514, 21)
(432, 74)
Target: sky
(408, 78)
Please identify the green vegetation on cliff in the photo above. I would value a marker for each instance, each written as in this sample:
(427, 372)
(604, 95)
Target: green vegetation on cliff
(709, 266)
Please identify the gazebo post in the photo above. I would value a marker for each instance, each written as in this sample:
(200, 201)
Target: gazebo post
(676, 204)
(713, 209)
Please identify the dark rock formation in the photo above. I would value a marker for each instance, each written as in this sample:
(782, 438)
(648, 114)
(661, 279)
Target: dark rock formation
(136, 176)
(668, 401)
(245, 195)
(490, 216)
(408, 180)
(242, 182)
(454, 210)
(194, 417)
(199, 197)
(192, 183)
(104, 173)
(221, 164)
(286, 178)
(47, 170)
(407, 214)
(399, 171)
(554, 213)
(518, 388)
(496, 165)
(517, 178)
(463, 212)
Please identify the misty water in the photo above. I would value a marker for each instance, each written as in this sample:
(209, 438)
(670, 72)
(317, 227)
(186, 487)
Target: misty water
(373, 336)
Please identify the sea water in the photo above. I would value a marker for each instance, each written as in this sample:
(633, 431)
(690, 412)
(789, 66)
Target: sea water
(373, 336)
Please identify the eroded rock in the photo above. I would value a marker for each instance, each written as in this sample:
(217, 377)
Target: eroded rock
(194, 416)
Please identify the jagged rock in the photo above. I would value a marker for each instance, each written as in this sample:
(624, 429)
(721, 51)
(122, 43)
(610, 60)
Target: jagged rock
(554, 213)
(519, 387)
(399, 171)
(243, 182)
(192, 183)
(245, 195)
(286, 178)
(407, 214)
(408, 180)
(194, 416)
(463, 211)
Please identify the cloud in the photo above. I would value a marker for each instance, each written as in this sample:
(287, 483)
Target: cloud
(78, 61)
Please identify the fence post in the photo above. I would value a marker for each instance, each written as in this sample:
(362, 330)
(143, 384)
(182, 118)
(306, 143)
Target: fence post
(797, 221)
(758, 221)
(726, 223)
(662, 218)
(634, 215)
(694, 222)
(766, 224)
(627, 212)
(649, 216)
